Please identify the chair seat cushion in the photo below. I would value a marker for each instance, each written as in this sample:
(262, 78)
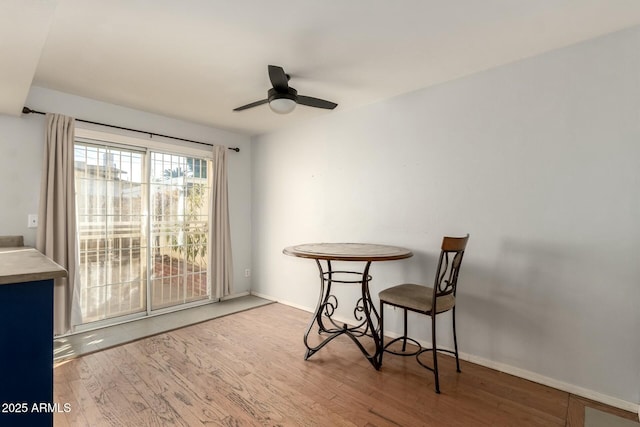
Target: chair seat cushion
(417, 298)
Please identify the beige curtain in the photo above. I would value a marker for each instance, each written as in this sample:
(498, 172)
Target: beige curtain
(220, 260)
(57, 232)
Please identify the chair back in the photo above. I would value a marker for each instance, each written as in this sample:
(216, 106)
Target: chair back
(449, 266)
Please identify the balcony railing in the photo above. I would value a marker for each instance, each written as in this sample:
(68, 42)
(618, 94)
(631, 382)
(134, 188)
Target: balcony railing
(113, 269)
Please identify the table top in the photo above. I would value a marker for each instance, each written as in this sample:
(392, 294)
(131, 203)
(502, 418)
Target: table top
(24, 264)
(348, 251)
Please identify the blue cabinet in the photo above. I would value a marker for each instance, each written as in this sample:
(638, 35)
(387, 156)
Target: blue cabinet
(26, 353)
(26, 336)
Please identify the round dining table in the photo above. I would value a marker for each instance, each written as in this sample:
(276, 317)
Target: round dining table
(366, 323)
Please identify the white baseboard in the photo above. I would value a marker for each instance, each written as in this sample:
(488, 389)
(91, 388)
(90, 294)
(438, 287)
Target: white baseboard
(551, 382)
(507, 369)
(288, 303)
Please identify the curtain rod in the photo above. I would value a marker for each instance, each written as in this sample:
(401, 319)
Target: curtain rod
(27, 110)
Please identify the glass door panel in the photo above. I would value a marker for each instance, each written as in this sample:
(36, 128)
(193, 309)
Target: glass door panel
(111, 231)
(179, 203)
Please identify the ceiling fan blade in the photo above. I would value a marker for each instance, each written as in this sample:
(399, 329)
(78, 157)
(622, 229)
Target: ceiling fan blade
(316, 102)
(278, 78)
(253, 104)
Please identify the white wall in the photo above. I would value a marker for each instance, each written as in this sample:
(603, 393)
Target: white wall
(538, 160)
(22, 142)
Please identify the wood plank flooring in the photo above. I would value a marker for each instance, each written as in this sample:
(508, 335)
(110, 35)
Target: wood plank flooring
(247, 369)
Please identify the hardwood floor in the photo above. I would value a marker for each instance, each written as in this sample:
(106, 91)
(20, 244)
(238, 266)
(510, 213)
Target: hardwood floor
(248, 369)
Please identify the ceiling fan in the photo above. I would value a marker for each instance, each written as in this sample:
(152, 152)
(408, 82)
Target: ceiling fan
(282, 98)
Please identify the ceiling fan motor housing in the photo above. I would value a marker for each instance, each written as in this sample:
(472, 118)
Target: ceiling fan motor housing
(291, 94)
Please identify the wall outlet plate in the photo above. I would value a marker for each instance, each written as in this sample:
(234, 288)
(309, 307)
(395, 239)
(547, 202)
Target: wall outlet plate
(32, 221)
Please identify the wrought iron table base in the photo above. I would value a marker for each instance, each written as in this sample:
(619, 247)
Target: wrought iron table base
(365, 314)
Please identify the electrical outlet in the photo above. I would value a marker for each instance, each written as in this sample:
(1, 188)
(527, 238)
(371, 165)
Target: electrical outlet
(32, 221)
(247, 272)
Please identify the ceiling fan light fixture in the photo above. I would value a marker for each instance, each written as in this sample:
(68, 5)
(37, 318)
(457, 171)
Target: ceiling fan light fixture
(282, 102)
(282, 105)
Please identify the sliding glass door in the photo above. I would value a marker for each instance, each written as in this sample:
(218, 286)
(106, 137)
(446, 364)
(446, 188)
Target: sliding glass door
(142, 228)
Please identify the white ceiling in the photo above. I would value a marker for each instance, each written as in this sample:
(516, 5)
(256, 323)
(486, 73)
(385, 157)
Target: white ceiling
(199, 59)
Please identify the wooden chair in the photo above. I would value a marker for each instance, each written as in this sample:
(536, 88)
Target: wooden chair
(420, 298)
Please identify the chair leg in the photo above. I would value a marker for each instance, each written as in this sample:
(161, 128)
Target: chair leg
(381, 333)
(455, 340)
(435, 352)
(404, 339)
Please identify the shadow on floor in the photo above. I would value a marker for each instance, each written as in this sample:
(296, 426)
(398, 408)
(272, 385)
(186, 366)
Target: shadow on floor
(71, 346)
